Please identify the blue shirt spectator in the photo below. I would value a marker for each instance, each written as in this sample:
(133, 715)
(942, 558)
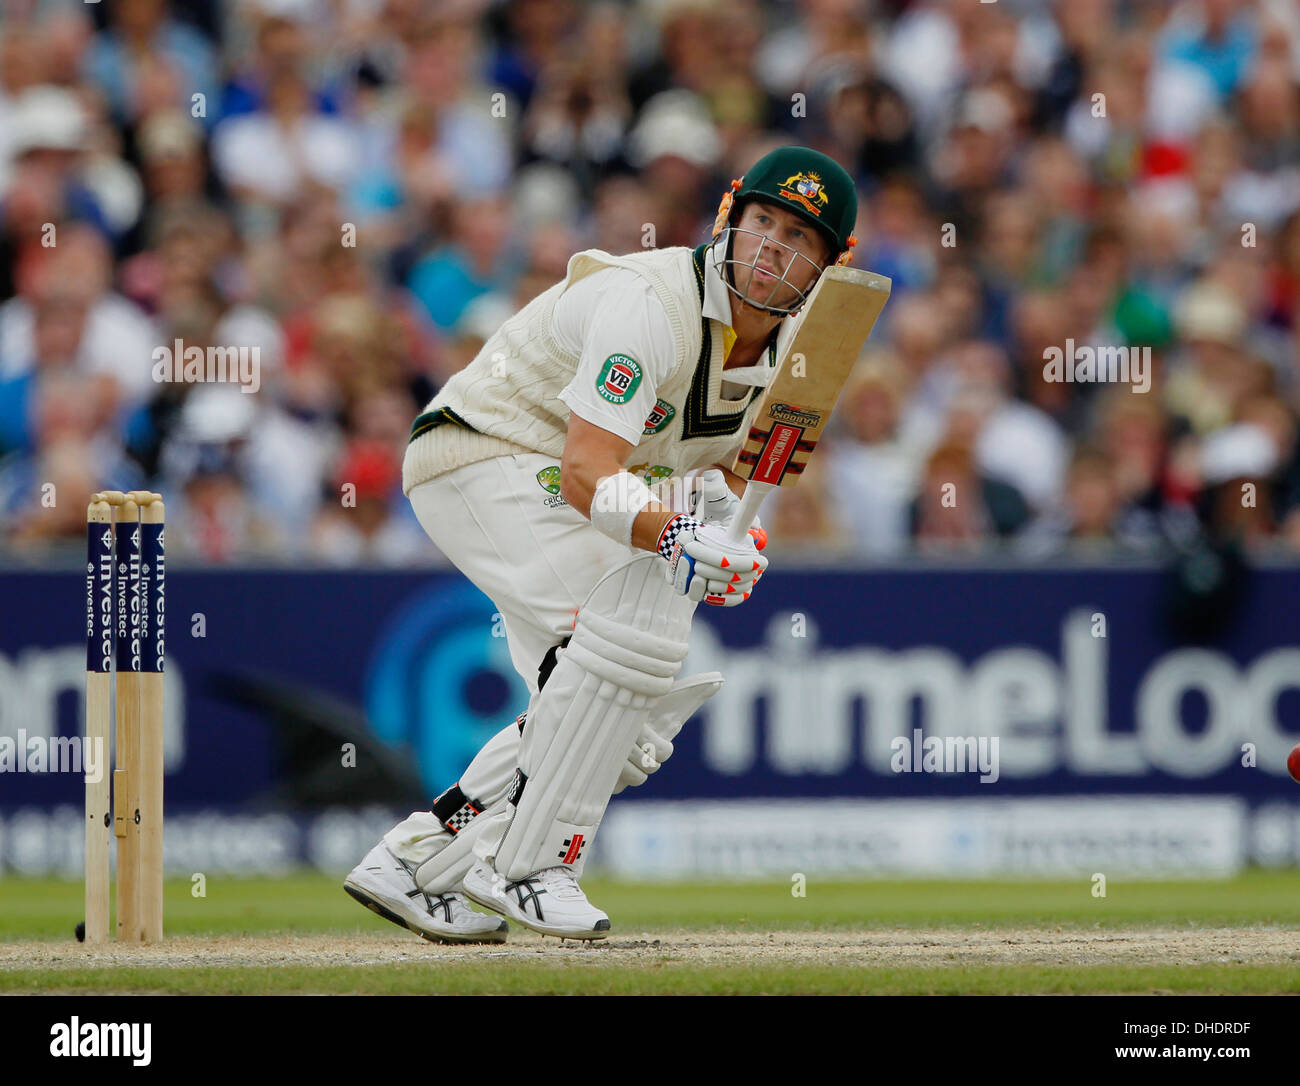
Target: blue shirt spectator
(111, 64)
(1225, 57)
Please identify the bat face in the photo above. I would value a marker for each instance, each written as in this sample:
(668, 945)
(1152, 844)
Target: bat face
(834, 325)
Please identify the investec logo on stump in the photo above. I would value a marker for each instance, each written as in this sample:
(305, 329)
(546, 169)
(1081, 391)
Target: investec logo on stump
(78, 1038)
(179, 364)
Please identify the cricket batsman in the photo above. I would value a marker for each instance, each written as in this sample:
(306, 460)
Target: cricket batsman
(629, 384)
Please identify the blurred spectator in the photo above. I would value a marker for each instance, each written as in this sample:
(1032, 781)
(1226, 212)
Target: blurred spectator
(807, 515)
(443, 64)
(367, 524)
(1133, 433)
(269, 155)
(621, 209)
(474, 263)
(1009, 439)
(549, 250)
(411, 187)
(105, 335)
(1090, 514)
(282, 41)
(898, 238)
(577, 120)
(171, 151)
(215, 521)
(870, 471)
(973, 160)
(65, 451)
(1237, 503)
(1213, 373)
(675, 146)
(1270, 415)
(482, 318)
(1217, 36)
(534, 37)
(959, 510)
(46, 134)
(143, 43)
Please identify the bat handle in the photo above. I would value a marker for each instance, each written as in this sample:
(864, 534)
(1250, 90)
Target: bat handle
(754, 495)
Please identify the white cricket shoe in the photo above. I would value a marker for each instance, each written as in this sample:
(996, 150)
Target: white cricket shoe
(386, 885)
(550, 902)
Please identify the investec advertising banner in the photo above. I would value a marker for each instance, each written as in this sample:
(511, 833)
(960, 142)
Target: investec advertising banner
(1041, 721)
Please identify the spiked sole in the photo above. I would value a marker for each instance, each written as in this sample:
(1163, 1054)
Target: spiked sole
(506, 909)
(380, 909)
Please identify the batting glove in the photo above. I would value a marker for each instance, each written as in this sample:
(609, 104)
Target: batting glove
(713, 502)
(705, 564)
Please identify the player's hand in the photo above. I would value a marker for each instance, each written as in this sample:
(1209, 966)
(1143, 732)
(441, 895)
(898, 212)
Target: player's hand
(713, 502)
(705, 564)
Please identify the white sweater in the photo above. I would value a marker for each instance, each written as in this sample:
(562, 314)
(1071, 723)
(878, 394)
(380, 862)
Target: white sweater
(506, 401)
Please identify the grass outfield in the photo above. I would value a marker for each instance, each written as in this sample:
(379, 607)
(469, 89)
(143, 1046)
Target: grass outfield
(303, 934)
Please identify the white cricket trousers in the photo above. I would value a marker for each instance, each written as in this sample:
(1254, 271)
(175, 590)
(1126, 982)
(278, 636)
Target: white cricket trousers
(536, 558)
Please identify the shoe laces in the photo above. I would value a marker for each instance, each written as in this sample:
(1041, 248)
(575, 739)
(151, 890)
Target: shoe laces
(459, 906)
(402, 869)
(561, 884)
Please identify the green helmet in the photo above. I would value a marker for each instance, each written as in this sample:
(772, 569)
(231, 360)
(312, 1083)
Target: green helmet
(806, 183)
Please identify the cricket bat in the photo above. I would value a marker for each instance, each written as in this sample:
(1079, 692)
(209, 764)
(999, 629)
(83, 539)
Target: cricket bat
(834, 325)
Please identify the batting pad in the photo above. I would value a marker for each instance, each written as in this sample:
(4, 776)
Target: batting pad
(629, 641)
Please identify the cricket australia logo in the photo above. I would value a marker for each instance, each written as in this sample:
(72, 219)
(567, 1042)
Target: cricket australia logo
(549, 480)
(808, 191)
(660, 416)
(619, 378)
(650, 473)
(795, 416)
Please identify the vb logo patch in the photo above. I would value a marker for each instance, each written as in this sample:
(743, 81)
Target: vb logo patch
(660, 416)
(619, 378)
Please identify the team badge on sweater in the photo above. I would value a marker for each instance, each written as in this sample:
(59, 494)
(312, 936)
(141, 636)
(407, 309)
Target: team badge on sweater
(619, 378)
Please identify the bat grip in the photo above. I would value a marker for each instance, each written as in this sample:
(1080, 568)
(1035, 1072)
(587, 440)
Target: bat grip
(753, 498)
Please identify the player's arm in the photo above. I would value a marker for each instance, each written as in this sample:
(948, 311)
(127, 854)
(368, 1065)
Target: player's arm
(590, 455)
(702, 562)
(624, 339)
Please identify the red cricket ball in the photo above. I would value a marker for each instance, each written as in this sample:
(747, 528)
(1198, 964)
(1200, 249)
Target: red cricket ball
(1293, 763)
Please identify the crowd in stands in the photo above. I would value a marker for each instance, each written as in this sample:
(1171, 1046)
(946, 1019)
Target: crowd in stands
(362, 190)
